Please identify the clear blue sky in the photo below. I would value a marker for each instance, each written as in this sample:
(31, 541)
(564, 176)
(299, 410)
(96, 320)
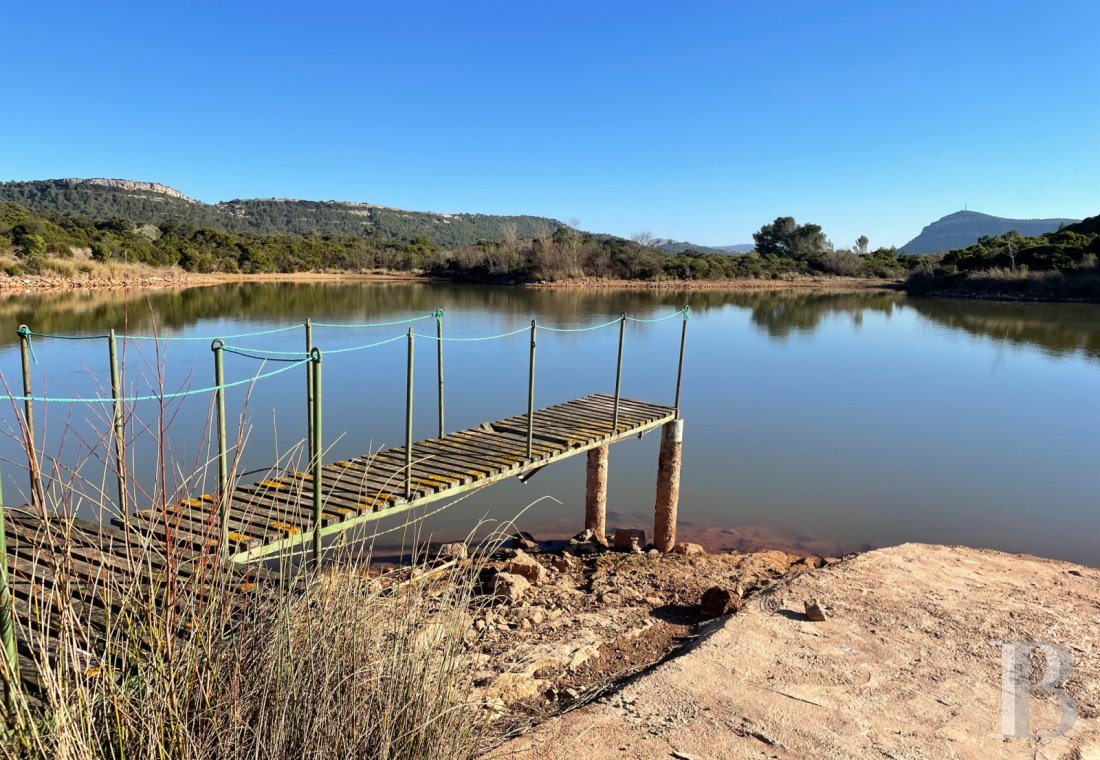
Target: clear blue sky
(696, 121)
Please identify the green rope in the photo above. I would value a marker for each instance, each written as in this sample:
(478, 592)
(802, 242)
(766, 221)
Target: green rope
(470, 340)
(581, 329)
(264, 354)
(435, 314)
(26, 332)
(682, 312)
(157, 396)
(368, 345)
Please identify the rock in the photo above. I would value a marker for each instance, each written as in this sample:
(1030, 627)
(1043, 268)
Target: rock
(457, 550)
(589, 536)
(815, 612)
(689, 549)
(564, 562)
(524, 541)
(812, 561)
(527, 566)
(718, 601)
(582, 550)
(509, 587)
(629, 540)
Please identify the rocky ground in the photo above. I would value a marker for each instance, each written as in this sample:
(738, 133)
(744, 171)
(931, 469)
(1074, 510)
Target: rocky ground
(564, 622)
(901, 658)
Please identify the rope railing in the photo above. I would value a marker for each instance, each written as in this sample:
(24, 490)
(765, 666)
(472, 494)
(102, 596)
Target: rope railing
(311, 356)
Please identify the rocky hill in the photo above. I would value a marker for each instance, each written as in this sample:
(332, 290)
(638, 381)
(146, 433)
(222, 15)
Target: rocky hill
(964, 228)
(679, 246)
(151, 203)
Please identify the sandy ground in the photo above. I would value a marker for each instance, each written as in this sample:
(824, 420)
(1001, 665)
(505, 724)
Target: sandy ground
(907, 665)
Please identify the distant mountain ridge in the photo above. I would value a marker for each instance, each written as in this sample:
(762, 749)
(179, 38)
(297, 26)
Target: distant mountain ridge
(679, 246)
(964, 228)
(153, 203)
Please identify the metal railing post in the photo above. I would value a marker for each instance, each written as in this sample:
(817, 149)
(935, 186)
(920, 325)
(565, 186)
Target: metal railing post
(28, 416)
(119, 434)
(618, 376)
(409, 420)
(217, 347)
(439, 356)
(680, 368)
(309, 389)
(315, 445)
(531, 396)
(7, 620)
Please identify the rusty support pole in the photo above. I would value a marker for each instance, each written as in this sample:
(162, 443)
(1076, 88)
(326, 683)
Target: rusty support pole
(439, 359)
(316, 447)
(618, 376)
(218, 346)
(595, 495)
(668, 486)
(116, 423)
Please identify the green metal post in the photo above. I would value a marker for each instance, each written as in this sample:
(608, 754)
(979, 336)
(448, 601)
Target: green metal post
(531, 396)
(439, 357)
(223, 454)
(409, 421)
(120, 440)
(680, 368)
(309, 389)
(28, 416)
(315, 365)
(618, 376)
(7, 619)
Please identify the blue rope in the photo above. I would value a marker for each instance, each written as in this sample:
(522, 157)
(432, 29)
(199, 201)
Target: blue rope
(157, 396)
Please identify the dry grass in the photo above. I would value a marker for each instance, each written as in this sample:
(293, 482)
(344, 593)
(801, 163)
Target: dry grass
(338, 664)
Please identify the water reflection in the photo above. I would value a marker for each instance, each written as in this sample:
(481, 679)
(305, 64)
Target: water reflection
(1059, 329)
(826, 421)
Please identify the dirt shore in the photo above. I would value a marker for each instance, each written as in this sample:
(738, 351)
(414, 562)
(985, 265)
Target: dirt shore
(907, 664)
(845, 284)
(122, 277)
(150, 278)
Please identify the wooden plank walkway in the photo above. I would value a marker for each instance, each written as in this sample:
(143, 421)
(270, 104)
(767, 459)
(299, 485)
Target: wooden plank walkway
(64, 568)
(73, 582)
(276, 515)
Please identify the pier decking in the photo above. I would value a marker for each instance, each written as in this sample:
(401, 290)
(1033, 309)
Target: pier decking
(275, 515)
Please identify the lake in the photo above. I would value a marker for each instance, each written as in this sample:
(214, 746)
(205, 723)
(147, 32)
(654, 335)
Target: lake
(817, 422)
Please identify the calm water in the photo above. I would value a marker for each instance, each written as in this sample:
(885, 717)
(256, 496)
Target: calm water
(818, 422)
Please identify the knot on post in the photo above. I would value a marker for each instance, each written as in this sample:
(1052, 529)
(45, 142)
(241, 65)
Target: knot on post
(438, 313)
(686, 311)
(25, 334)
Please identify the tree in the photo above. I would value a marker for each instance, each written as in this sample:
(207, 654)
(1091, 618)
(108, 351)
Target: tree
(643, 238)
(787, 239)
(861, 244)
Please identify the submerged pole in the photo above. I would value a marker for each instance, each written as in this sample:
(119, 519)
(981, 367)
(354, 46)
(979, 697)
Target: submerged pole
(409, 420)
(28, 416)
(531, 396)
(439, 359)
(217, 347)
(120, 440)
(680, 366)
(618, 376)
(7, 620)
(309, 389)
(668, 486)
(315, 445)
